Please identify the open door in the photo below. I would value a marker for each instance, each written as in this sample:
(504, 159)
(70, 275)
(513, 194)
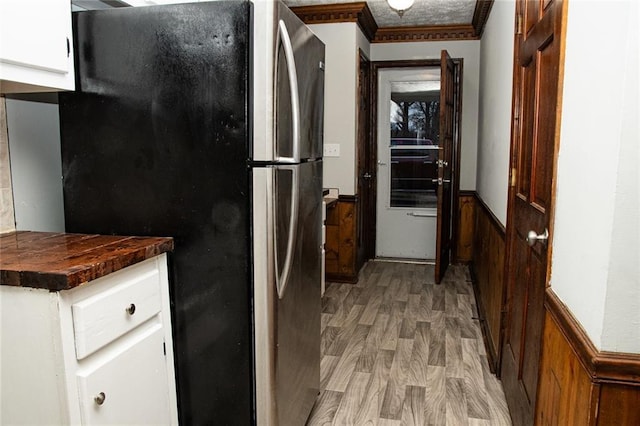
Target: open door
(365, 166)
(535, 130)
(445, 148)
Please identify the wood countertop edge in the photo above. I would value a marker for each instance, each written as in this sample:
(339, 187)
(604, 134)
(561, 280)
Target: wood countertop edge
(67, 269)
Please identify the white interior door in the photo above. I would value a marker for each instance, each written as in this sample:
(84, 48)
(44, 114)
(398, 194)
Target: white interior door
(408, 114)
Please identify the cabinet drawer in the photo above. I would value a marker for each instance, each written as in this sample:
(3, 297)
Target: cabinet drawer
(129, 387)
(108, 315)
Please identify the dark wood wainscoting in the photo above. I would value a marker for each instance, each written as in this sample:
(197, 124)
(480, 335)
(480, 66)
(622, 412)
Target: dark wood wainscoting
(341, 260)
(487, 269)
(580, 385)
(466, 225)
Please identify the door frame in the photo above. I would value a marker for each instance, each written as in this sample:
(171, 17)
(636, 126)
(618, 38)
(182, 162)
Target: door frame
(371, 160)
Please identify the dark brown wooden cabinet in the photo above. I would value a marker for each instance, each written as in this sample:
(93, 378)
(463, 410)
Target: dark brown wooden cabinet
(340, 248)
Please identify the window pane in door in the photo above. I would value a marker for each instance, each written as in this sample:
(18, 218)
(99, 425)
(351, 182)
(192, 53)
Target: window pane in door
(414, 120)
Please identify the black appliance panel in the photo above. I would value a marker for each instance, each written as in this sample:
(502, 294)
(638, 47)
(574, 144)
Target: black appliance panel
(155, 142)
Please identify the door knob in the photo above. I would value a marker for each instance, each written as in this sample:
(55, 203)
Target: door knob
(532, 237)
(380, 163)
(366, 175)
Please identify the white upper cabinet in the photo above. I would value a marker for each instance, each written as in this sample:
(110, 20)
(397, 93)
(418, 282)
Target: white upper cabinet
(36, 47)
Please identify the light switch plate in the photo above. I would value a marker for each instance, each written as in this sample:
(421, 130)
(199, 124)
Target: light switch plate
(331, 150)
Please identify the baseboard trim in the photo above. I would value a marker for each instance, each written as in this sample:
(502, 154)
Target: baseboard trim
(348, 198)
(492, 355)
(336, 278)
(602, 366)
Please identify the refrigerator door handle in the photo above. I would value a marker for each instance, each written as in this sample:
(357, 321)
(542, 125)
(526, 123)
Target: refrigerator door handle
(283, 37)
(283, 280)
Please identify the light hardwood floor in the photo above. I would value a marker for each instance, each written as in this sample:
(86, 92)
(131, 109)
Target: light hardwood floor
(399, 350)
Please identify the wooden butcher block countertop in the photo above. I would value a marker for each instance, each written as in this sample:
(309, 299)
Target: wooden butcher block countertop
(56, 261)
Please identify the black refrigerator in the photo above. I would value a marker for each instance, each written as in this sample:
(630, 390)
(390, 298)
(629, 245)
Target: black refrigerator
(203, 122)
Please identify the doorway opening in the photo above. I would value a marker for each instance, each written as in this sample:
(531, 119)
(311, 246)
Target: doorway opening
(407, 149)
(412, 159)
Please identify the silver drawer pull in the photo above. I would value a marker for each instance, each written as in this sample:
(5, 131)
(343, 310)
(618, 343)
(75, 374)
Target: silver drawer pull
(131, 309)
(99, 399)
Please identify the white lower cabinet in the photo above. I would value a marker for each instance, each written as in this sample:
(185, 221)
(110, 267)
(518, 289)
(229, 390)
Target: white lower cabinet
(131, 387)
(99, 354)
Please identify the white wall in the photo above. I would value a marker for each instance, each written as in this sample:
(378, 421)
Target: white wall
(597, 188)
(470, 52)
(340, 101)
(36, 165)
(494, 114)
(621, 329)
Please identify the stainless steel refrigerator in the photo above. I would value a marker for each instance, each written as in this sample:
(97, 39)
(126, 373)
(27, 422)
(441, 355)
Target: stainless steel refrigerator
(203, 122)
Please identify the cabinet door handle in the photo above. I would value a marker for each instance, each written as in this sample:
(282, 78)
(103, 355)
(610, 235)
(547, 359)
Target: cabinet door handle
(131, 309)
(99, 399)
(68, 47)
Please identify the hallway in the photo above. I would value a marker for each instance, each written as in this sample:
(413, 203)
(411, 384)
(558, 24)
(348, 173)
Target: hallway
(399, 350)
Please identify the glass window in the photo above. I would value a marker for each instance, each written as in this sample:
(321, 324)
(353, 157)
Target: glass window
(414, 121)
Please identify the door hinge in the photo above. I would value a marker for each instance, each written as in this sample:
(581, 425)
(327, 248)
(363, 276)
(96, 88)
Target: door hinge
(513, 176)
(518, 24)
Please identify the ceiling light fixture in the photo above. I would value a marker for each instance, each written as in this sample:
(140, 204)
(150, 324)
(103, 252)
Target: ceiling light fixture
(400, 6)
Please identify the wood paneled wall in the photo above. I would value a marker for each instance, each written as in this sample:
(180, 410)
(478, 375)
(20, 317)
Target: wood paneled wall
(619, 405)
(341, 262)
(580, 385)
(560, 369)
(488, 253)
(466, 225)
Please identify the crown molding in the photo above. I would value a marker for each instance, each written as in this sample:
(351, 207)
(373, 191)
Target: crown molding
(481, 15)
(357, 12)
(360, 13)
(426, 33)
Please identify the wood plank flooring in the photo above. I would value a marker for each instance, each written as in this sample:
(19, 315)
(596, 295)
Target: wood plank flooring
(399, 350)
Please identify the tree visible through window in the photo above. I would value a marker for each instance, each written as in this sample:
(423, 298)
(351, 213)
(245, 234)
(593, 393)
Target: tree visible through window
(414, 126)
(415, 119)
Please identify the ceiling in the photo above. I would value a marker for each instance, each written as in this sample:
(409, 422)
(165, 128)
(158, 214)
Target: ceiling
(423, 12)
(425, 20)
